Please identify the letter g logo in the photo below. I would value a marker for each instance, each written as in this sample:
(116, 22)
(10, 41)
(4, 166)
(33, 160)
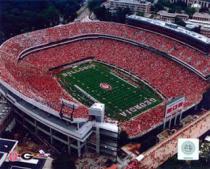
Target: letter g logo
(26, 156)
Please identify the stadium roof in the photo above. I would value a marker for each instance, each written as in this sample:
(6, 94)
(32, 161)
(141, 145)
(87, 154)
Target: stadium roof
(6, 145)
(173, 27)
(135, 2)
(201, 15)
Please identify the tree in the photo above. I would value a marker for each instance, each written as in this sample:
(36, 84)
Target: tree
(93, 4)
(51, 14)
(120, 15)
(179, 21)
(102, 13)
(140, 13)
(190, 11)
(21, 16)
(63, 162)
(172, 10)
(158, 7)
(165, 3)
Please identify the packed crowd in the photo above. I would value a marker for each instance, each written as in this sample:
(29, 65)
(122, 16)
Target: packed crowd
(31, 76)
(178, 50)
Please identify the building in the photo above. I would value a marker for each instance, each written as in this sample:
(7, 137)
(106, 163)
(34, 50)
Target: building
(204, 26)
(5, 115)
(202, 3)
(133, 5)
(201, 20)
(170, 17)
(74, 136)
(170, 29)
(201, 16)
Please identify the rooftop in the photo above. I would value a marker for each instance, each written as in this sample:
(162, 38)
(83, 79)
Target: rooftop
(201, 15)
(165, 13)
(173, 27)
(136, 2)
(6, 146)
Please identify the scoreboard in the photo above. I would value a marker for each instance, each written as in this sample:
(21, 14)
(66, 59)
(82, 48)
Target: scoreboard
(174, 106)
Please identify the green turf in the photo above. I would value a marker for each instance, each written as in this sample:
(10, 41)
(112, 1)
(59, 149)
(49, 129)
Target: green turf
(121, 102)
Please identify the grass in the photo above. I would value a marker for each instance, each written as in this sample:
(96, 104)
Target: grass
(121, 102)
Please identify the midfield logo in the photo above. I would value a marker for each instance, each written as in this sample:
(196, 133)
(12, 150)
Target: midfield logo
(105, 86)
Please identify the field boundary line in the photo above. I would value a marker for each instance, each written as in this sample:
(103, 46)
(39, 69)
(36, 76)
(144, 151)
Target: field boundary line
(86, 94)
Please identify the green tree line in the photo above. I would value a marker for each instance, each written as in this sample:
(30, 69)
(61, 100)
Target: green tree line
(18, 16)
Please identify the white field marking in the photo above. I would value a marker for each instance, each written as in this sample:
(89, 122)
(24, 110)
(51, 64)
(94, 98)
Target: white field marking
(19, 167)
(140, 113)
(87, 94)
(123, 80)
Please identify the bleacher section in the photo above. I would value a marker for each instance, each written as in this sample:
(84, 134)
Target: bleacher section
(25, 61)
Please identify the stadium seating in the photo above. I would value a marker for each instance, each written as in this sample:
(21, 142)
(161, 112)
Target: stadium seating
(177, 49)
(32, 78)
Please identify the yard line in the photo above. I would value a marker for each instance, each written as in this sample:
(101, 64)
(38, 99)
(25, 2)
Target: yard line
(123, 80)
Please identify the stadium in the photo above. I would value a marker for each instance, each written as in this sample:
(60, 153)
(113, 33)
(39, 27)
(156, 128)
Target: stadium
(54, 76)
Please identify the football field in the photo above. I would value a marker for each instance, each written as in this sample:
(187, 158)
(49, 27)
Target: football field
(96, 82)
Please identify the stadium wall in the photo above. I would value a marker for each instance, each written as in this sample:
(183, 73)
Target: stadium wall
(62, 134)
(166, 149)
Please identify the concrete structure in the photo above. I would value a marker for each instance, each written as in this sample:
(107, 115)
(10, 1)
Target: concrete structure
(74, 137)
(133, 5)
(66, 135)
(176, 29)
(166, 149)
(97, 110)
(204, 26)
(201, 20)
(201, 16)
(170, 17)
(5, 116)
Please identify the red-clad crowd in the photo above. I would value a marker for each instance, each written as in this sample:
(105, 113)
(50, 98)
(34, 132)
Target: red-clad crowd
(31, 75)
(178, 50)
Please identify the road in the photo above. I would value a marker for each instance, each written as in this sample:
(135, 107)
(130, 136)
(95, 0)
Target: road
(83, 13)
